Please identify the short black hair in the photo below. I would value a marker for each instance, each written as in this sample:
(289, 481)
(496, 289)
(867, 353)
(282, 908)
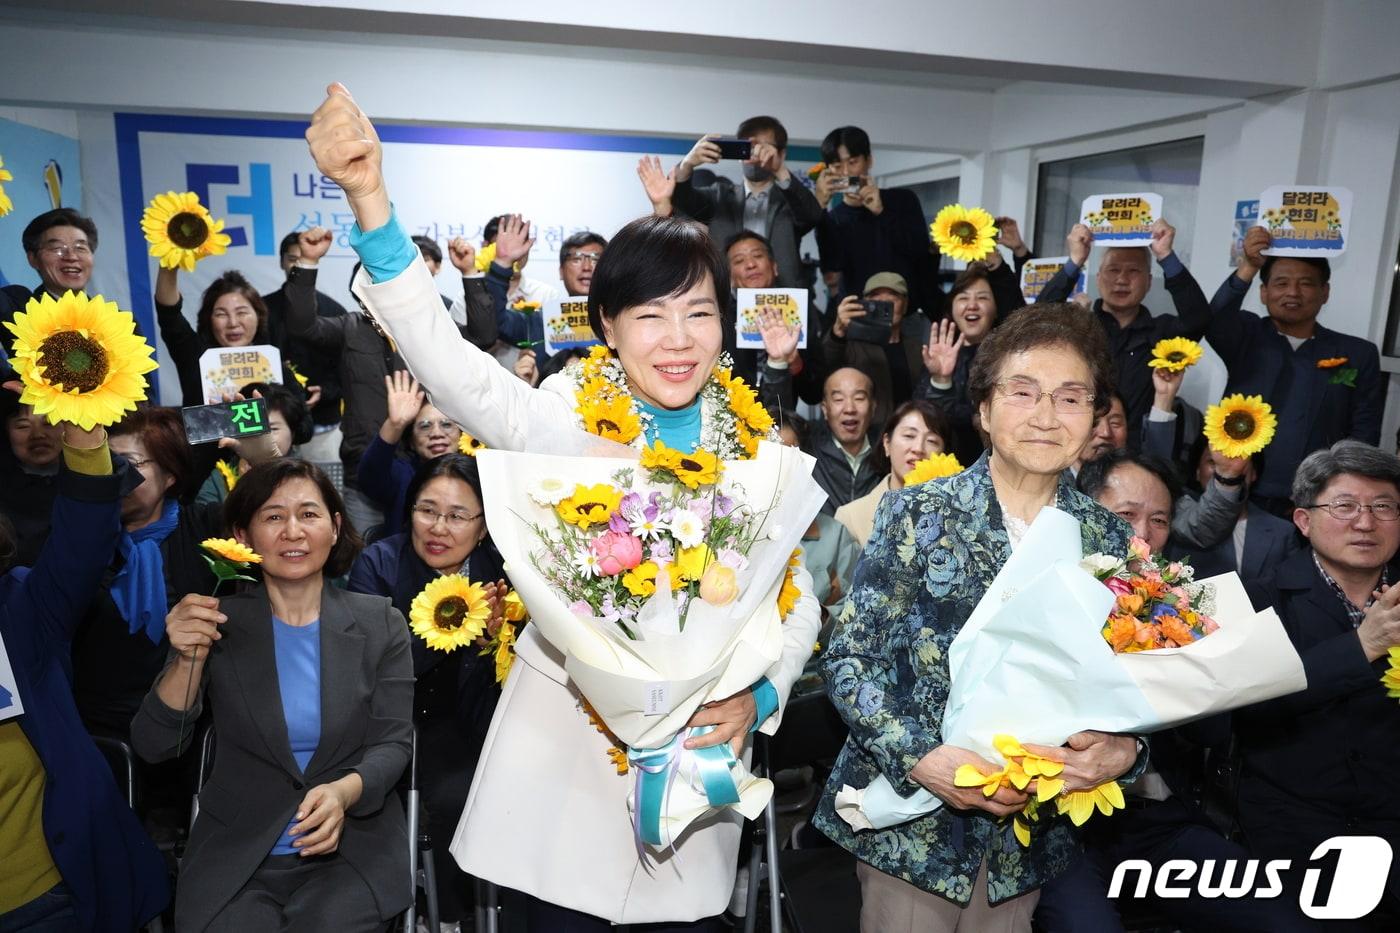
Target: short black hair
(1320, 263)
(743, 235)
(934, 420)
(1093, 476)
(578, 241)
(855, 139)
(34, 231)
(429, 248)
(759, 124)
(650, 258)
(288, 241)
(457, 466)
(289, 404)
(255, 487)
(787, 418)
(493, 226)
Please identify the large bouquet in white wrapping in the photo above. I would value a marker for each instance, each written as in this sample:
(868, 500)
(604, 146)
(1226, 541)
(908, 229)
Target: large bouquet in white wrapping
(663, 581)
(1034, 662)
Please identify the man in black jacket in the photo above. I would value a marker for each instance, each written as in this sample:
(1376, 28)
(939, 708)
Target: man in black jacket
(1124, 278)
(843, 448)
(771, 202)
(870, 229)
(60, 246)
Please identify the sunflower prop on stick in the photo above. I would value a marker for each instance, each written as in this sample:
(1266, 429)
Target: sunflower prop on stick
(934, 466)
(181, 231)
(451, 612)
(80, 359)
(967, 234)
(228, 560)
(1240, 426)
(1174, 354)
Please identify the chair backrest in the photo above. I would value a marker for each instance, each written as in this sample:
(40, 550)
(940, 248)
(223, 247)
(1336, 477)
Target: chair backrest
(122, 760)
(812, 734)
(335, 472)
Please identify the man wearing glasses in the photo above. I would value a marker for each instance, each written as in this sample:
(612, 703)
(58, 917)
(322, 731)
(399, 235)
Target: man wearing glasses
(578, 257)
(59, 245)
(1321, 763)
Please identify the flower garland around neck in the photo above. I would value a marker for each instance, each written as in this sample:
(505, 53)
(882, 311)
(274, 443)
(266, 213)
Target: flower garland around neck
(732, 419)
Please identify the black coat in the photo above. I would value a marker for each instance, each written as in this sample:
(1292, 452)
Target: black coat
(858, 244)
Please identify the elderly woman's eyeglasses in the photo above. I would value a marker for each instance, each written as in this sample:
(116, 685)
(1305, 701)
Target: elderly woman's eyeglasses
(1067, 400)
(429, 516)
(1346, 510)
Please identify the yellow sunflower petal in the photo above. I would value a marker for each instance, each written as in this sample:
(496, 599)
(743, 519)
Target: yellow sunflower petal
(1022, 829)
(934, 466)
(1240, 426)
(966, 234)
(80, 359)
(450, 612)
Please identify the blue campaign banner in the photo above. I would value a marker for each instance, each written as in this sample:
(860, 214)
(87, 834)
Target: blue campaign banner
(46, 175)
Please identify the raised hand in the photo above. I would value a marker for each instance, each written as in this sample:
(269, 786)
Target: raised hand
(1163, 236)
(869, 196)
(941, 351)
(769, 156)
(192, 625)
(704, 152)
(1009, 235)
(847, 311)
(822, 187)
(347, 150)
(463, 255)
(1165, 386)
(1077, 244)
(314, 244)
(404, 399)
(513, 240)
(660, 186)
(1252, 258)
(779, 337)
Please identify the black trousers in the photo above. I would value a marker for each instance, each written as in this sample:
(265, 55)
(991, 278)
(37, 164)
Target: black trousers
(291, 894)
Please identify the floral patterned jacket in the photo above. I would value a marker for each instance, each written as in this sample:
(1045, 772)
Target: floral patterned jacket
(934, 552)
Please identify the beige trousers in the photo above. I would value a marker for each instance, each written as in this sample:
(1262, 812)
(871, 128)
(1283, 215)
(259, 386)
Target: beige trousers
(892, 905)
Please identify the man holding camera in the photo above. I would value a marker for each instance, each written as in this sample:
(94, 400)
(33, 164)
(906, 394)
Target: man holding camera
(875, 334)
(869, 229)
(769, 202)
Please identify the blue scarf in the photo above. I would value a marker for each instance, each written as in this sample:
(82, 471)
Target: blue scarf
(139, 587)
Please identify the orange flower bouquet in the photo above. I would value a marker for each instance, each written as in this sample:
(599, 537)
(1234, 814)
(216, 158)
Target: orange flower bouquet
(1157, 603)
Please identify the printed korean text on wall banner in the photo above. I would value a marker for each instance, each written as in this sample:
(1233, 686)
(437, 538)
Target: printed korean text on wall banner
(1037, 273)
(566, 325)
(1246, 216)
(1121, 219)
(1306, 220)
(10, 705)
(751, 302)
(229, 369)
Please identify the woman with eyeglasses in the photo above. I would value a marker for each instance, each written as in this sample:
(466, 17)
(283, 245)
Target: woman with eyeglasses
(413, 433)
(456, 693)
(1037, 382)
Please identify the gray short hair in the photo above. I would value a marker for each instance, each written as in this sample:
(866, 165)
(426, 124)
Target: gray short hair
(1347, 456)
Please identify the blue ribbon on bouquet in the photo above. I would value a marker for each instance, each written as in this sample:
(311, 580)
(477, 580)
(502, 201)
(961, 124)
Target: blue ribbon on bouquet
(657, 768)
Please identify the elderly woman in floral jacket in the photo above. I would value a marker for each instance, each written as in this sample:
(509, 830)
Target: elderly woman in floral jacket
(1038, 383)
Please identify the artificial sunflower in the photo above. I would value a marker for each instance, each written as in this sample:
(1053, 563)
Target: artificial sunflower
(1240, 426)
(525, 307)
(590, 505)
(968, 234)
(611, 418)
(513, 607)
(700, 468)
(6, 205)
(231, 550)
(1332, 362)
(450, 612)
(1391, 678)
(180, 230)
(788, 592)
(80, 358)
(469, 445)
(503, 651)
(228, 559)
(815, 171)
(1080, 804)
(227, 471)
(934, 466)
(1174, 354)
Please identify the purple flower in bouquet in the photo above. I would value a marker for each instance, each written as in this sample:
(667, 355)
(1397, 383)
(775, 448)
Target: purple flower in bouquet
(732, 559)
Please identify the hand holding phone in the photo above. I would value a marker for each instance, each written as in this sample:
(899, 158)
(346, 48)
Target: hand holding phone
(732, 147)
(876, 325)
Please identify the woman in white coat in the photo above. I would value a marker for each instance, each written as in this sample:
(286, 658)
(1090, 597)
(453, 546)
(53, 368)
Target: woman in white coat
(547, 814)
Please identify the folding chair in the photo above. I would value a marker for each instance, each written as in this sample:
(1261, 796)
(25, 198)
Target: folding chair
(122, 760)
(421, 872)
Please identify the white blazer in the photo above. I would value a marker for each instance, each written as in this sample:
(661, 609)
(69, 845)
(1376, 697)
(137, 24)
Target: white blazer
(547, 812)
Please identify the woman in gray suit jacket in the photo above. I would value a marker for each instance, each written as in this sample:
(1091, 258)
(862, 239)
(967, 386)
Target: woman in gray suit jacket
(311, 690)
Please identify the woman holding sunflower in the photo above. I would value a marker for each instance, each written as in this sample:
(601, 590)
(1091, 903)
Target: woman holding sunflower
(654, 301)
(456, 689)
(310, 690)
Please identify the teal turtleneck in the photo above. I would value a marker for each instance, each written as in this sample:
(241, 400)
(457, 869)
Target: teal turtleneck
(677, 428)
